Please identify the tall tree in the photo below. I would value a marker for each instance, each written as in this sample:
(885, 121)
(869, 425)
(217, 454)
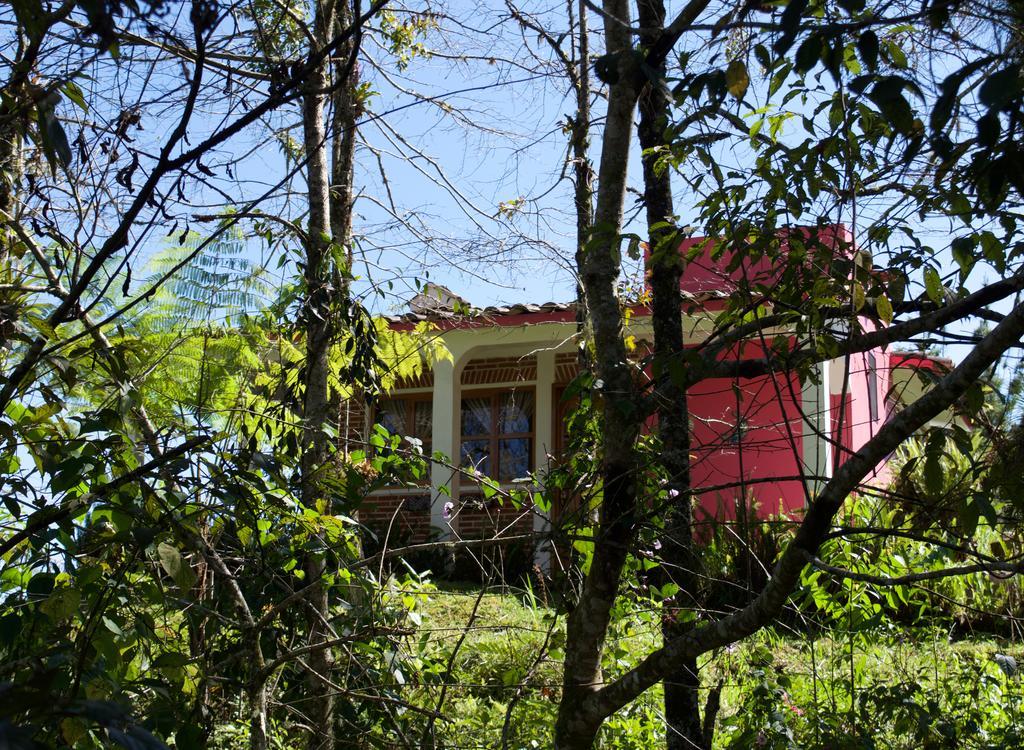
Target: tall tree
(320, 318)
(683, 726)
(742, 208)
(621, 421)
(69, 235)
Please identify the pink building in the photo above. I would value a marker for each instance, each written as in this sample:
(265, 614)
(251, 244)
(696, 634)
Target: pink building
(773, 440)
(496, 406)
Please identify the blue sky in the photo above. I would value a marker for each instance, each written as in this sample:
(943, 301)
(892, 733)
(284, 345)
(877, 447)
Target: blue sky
(459, 135)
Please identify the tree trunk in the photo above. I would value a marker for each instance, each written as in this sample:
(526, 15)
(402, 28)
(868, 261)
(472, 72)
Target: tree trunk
(11, 168)
(199, 648)
(579, 718)
(12, 164)
(345, 113)
(319, 319)
(588, 623)
(683, 728)
(259, 738)
(343, 143)
(583, 177)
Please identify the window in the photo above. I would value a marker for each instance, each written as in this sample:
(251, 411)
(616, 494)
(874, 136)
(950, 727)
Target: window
(872, 387)
(408, 416)
(497, 434)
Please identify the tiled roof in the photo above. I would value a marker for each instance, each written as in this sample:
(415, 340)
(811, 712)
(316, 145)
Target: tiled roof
(484, 313)
(523, 308)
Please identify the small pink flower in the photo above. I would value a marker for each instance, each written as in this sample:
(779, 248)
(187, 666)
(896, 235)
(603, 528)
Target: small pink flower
(673, 494)
(657, 544)
(446, 513)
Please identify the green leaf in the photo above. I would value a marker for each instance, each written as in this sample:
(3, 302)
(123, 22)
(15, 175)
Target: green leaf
(171, 659)
(1001, 87)
(176, 566)
(974, 398)
(41, 585)
(74, 93)
(884, 308)
(737, 80)
(54, 139)
(761, 53)
(44, 412)
(933, 286)
(779, 78)
(895, 54)
(189, 737)
(934, 476)
(633, 248)
(867, 46)
(850, 61)
(10, 628)
(42, 326)
(607, 68)
(112, 626)
(62, 604)
(994, 251)
(808, 54)
(836, 113)
(887, 94)
(989, 128)
(897, 287)
(963, 254)
(790, 23)
(934, 479)
(859, 298)
(986, 508)
(969, 515)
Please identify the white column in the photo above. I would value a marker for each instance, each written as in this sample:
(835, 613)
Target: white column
(816, 426)
(544, 420)
(447, 402)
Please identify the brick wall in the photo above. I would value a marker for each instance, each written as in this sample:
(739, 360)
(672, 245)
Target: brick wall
(478, 518)
(408, 517)
(473, 518)
(352, 424)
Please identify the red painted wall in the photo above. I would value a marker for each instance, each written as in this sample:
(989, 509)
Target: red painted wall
(704, 274)
(761, 460)
(766, 458)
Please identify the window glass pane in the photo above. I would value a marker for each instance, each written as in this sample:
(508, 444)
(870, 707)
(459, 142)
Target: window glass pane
(476, 454)
(515, 458)
(391, 416)
(516, 413)
(872, 387)
(476, 416)
(423, 427)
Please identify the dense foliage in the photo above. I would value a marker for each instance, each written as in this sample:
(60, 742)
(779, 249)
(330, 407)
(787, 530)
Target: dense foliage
(182, 562)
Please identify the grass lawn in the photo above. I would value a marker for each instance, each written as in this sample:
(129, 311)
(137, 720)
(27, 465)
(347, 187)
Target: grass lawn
(498, 652)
